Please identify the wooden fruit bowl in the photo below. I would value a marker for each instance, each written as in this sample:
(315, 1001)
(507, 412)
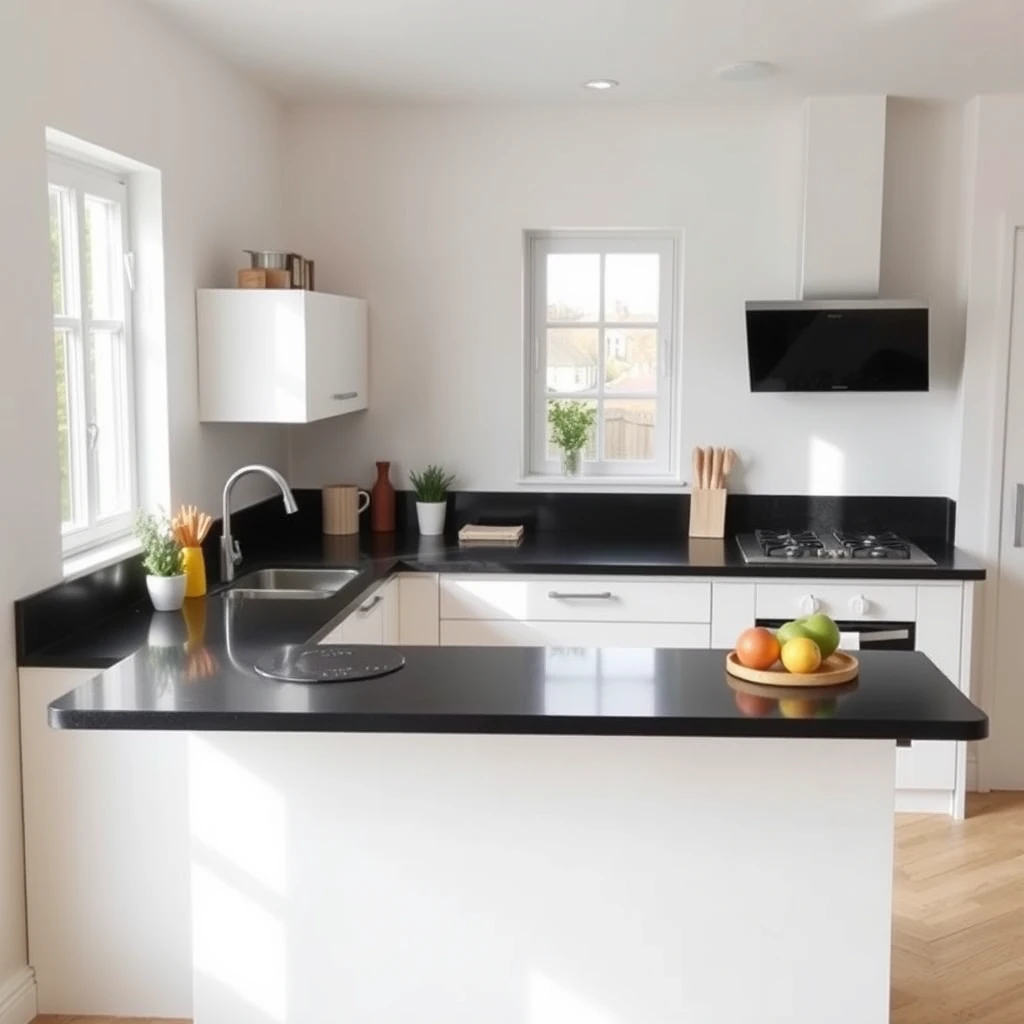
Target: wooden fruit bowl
(835, 669)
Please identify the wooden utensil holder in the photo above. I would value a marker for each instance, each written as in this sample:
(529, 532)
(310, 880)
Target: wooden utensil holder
(707, 512)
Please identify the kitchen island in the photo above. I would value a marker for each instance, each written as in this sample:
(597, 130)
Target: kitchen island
(538, 835)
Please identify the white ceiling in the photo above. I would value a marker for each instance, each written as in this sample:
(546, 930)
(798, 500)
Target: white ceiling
(660, 50)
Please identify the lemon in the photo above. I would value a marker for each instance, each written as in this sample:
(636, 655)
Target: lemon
(801, 654)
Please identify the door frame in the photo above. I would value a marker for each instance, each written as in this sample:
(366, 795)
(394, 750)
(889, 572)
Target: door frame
(1012, 225)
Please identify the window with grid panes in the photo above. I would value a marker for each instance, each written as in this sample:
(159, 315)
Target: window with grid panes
(601, 329)
(92, 346)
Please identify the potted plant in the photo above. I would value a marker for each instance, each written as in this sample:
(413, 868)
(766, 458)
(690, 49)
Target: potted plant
(163, 561)
(571, 424)
(431, 488)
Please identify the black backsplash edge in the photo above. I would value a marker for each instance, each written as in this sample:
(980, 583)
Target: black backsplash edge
(79, 604)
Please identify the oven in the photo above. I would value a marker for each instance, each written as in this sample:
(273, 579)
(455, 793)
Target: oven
(868, 636)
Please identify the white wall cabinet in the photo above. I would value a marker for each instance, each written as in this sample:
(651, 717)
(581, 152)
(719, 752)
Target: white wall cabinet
(280, 356)
(107, 861)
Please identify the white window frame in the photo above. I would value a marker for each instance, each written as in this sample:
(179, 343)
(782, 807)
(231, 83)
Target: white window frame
(664, 468)
(82, 179)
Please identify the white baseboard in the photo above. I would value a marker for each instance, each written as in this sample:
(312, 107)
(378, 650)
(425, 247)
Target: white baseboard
(18, 998)
(924, 801)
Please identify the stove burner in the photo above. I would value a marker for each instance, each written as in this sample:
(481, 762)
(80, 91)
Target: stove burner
(861, 544)
(788, 543)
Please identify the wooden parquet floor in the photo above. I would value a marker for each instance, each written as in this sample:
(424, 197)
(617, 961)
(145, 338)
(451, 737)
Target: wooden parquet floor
(958, 918)
(958, 915)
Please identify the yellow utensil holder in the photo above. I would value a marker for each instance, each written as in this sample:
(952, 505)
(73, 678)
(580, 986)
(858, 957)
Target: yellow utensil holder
(195, 572)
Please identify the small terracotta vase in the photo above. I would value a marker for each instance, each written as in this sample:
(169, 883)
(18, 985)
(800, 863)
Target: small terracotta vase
(382, 501)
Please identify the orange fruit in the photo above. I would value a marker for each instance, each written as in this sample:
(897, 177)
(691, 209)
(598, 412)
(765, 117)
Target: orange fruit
(754, 706)
(801, 654)
(757, 648)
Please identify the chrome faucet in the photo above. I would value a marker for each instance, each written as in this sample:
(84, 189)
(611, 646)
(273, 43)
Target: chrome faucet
(230, 552)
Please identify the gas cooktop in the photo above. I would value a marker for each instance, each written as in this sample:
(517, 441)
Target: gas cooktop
(833, 548)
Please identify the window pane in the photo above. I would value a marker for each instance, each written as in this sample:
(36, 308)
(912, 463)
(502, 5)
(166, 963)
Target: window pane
(108, 434)
(61, 248)
(631, 287)
(573, 286)
(103, 259)
(631, 360)
(554, 452)
(67, 515)
(572, 359)
(629, 429)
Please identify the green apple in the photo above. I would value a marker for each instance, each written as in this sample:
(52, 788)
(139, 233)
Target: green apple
(823, 631)
(791, 630)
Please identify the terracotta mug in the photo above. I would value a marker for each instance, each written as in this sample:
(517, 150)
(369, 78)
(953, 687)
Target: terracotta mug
(343, 504)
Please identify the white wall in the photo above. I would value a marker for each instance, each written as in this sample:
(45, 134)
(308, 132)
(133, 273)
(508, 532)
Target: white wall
(123, 78)
(844, 154)
(422, 211)
(111, 72)
(996, 157)
(30, 554)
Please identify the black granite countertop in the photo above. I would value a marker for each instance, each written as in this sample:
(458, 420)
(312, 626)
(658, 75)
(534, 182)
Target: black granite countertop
(558, 691)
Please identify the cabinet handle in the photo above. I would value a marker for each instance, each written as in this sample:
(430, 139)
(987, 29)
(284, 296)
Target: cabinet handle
(365, 609)
(604, 595)
(1018, 518)
(344, 396)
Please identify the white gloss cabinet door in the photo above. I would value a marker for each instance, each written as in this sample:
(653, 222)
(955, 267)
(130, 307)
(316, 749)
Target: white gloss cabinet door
(418, 609)
(510, 633)
(337, 380)
(364, 625)
(932, 764)
(280, 356)
(107, 862)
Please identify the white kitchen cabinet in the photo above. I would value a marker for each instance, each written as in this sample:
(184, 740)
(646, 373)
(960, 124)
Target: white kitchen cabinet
(418, 609)
(512, 633)
(280, 356)
(574, 599)
(733, 609)
(373, 621)
(107, 862)
(869, 602)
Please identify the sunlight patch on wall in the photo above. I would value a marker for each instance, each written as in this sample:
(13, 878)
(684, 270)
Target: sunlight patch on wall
(826, 468)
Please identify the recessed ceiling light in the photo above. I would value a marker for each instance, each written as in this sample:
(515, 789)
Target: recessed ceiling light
(746, 70)
(600, 83)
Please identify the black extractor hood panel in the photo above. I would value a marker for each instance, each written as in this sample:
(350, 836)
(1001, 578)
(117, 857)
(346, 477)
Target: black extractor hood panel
(837, 345)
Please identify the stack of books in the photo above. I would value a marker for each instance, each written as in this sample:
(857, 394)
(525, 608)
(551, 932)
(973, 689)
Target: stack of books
(501, 536)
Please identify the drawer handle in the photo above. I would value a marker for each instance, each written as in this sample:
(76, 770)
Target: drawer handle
(371, 604)
(345, 396)
(604, 595)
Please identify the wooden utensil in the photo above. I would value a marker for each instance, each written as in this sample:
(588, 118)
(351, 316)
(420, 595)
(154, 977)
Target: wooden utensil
(716, 468)
(728, 461)
(708, 458)
(698, 469)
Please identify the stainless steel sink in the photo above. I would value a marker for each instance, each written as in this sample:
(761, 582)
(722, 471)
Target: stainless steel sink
(292, 584)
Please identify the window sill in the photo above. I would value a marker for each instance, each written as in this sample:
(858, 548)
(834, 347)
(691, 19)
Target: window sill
(81, 562)
(597, 484)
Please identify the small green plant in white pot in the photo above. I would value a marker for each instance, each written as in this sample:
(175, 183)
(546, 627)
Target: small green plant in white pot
(162, 560)
(431, 488)
(571, 426)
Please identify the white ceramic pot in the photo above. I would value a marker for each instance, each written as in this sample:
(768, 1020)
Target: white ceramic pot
(166, 592)
(431, 517)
